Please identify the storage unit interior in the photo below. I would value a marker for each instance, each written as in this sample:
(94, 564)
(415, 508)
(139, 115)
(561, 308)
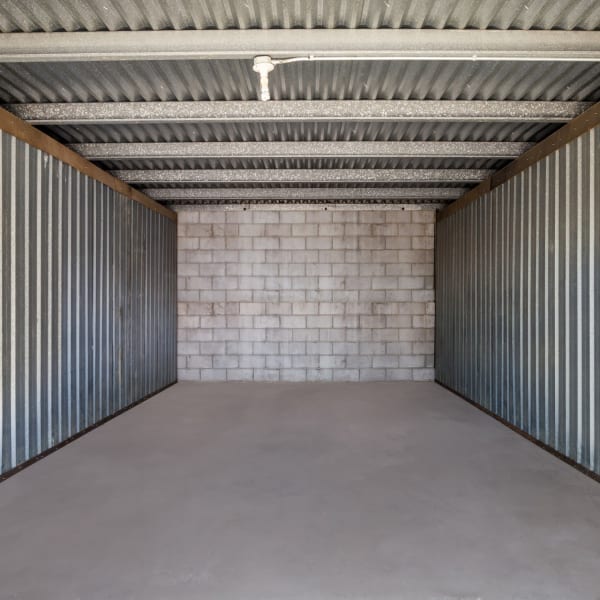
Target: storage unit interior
(306, 220)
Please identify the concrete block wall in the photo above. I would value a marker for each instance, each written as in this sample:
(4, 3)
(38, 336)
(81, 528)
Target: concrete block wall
(305, 294)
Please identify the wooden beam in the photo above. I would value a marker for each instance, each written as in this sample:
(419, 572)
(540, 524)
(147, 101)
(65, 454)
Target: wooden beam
(34, 137)
(572, 130)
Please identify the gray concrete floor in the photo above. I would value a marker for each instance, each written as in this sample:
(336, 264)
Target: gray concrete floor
(300, 491)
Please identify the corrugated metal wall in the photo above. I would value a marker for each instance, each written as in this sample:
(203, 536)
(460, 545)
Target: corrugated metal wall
(88, 301)
(518, 300)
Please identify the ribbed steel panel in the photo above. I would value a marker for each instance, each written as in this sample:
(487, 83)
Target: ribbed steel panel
(518, 303)
(89, 15)
(87, 294)
(130, 81)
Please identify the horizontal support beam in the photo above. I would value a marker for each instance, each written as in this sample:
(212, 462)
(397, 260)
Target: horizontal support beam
(313, 44)
(66, 113)
(121, 151)
(307, 194)
(302, 175)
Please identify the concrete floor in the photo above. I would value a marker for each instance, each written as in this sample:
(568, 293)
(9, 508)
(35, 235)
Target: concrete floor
(300, 491)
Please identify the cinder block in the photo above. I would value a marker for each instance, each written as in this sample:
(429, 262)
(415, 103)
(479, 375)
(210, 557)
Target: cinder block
(388, 361)
(226, 335)
(345, 296)
(198, 230)
(345, 348)
(211, 348)
(384, 335)
(279, 362)
(267, 348)
(423, 348)
(304, 283)
(251, 230)
(305, 256)
(359, 361)
(371, 216)
(372, 375)
(371, 348)
(238, 269)
(332, 335)
(278, 230)
(305, 335)
(240, 374)
(423, 269)
(239, 243)
(411, 362)
(423, 321)
(371, 243)
(305, 230)
(397, 243)
(318, 216)
(305, 308)
(292, 295)
(239, 348)
(423, 374)
(188, 348)
(331, 229)
(240, 322)
(199, 362)
(265, 243)
(372, 321)
(319, 322)
(279, 335)
(292, 216)
(219, 229)
(345, 216)
(318, 243)
(188, 322)
(345, 321)
(252, 362)
(346, 375)
(319, 295)
(253, 335)
(213, 321)
(319, 375)
(345, 243)
(399, 348)
(188, 374)
(293, 375)
(398, 269)
(293, 322)
(212, 243)
(185, 216)
(213, 374)
(318, 269)
(397, 216)
(239, 296)
(237, 215)
(279, 256)
(279, 308)
(305, 361)
(331, 283)
(331, 308)
(293, 243)
(211, 216)
(199, 335)
(423, 216)
(225, 361)
(398, 374)
(266, 374)
(332, 362)
(424, 242)
(264, 322)
(292, 270)
(265, 216)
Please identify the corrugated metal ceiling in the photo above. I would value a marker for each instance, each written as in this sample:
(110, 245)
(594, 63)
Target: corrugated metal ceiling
(234, 80)
(114, 15)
